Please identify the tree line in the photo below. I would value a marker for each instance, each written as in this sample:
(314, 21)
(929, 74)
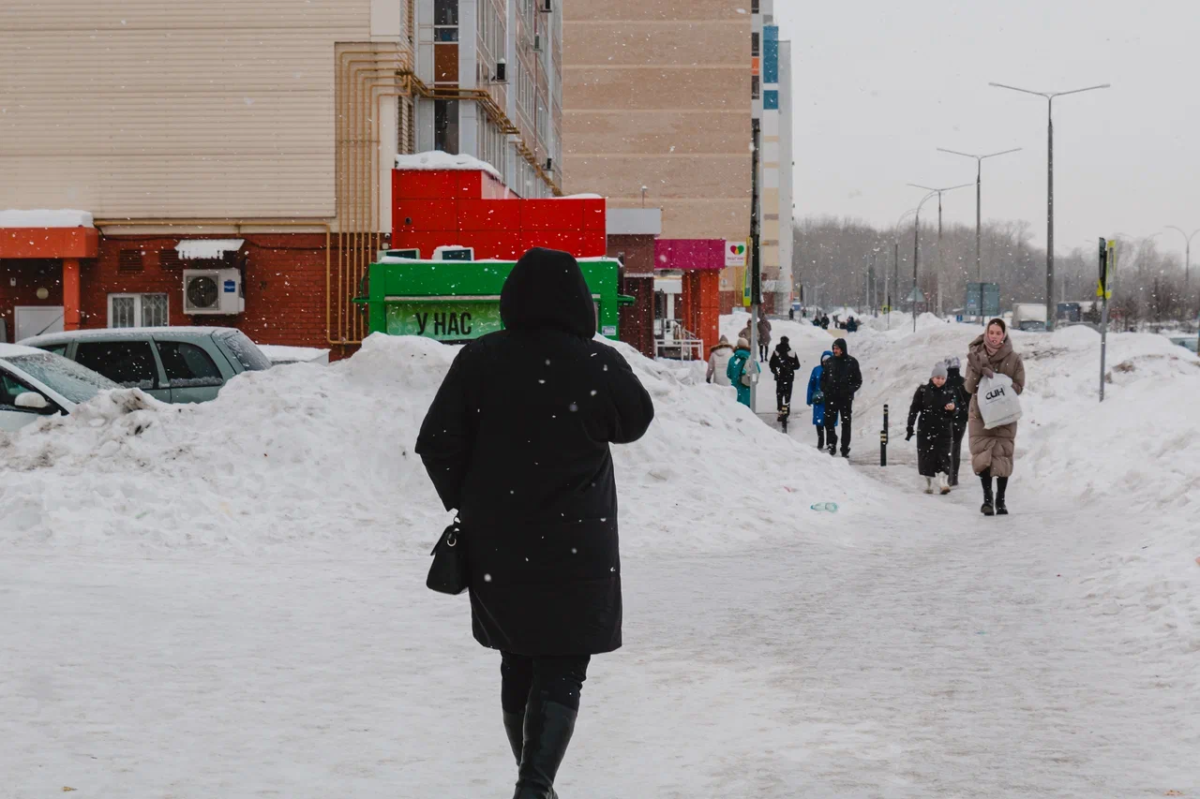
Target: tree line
(835, 259)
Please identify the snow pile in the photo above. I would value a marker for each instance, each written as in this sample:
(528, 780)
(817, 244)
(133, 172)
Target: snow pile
(207, 249)
(281, 355)
(436, 161)
(45, 218)
(309, 459)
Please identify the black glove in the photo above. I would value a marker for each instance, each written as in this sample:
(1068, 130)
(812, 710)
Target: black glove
(909, 436)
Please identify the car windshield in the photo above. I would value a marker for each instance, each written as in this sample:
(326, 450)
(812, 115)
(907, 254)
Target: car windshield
(74, 382)
(246, 351)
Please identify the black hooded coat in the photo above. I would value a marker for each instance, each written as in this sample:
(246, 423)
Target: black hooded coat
(517, 441)
(842, 378)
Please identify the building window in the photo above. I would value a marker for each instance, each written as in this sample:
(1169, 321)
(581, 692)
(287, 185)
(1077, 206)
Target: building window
(755, 87)
(137, 310)
(445, 126)
(755, 45)
(445, 12)
(753, 6)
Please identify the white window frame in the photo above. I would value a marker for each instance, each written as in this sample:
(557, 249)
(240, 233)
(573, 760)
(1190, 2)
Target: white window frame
(137, 307)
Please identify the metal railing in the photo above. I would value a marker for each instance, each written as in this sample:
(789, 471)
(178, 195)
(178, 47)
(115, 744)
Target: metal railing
(673, 340)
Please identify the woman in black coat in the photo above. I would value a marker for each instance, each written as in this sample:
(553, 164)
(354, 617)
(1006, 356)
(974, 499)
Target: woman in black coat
(517, 441)
(935, 403)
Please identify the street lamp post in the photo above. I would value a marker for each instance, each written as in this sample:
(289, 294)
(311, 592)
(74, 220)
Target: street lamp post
(917, 252)
(1050, 307)
(938, 275)
(1187, 263)
(896, 263)
(979, 159)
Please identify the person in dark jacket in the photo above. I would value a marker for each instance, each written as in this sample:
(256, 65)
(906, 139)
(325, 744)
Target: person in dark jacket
(764, 338)
(851, 325)
(784, 365)
(962, 402)
(840, 381)
(936, 404)
(517, 441)
(817, 400)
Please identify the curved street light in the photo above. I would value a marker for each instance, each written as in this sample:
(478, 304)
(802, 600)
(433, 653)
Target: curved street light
(1187, 268)
(917, 250)
(939, 193)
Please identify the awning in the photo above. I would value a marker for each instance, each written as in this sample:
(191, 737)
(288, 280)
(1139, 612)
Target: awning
(207, 249)
(48, 233)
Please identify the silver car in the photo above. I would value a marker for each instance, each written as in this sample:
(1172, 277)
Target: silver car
(171, 364)
(34, 383)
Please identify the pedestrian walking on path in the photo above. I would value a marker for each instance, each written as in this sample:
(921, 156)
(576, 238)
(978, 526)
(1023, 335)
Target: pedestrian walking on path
(840, 381)
(784, 365)
(517, 442)
(718, 363)
(741, 370)
(817, 399)
(935, 404)
(962, 401)
(764, 338)
(993, 451)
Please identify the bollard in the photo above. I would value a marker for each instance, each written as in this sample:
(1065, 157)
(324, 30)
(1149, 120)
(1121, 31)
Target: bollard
(883, 438)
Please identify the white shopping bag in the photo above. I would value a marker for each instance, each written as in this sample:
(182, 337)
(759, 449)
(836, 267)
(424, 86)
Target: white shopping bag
(998, 401)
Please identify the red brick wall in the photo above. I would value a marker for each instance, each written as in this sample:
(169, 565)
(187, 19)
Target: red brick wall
(283, 281)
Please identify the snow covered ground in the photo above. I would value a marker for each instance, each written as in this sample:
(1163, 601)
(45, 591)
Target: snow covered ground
(227, 599)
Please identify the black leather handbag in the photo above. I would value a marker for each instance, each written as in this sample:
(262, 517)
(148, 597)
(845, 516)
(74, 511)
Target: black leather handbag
(448, 572)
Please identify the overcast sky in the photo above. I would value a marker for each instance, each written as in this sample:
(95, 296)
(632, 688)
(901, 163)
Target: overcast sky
(880, 85)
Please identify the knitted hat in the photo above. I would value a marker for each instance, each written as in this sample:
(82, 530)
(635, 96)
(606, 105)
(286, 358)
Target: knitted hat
(743, 344)
(939, 370)
(953, 363)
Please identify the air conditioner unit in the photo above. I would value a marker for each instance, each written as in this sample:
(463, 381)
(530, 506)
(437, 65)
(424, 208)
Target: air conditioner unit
(454, 253)
(213, 292)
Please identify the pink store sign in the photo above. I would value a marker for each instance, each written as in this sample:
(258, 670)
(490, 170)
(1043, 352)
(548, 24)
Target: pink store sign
(689, 254)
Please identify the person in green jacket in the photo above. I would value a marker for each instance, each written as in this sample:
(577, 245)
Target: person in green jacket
(739, 369)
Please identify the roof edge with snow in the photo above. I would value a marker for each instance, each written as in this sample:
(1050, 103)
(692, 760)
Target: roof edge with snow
(436, 160)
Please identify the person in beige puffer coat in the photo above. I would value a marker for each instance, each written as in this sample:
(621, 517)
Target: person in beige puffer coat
(992, 451)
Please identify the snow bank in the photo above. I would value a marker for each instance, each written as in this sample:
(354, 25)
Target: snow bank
(437, 160)
(45, 218)
(307, 459)
(282, 355)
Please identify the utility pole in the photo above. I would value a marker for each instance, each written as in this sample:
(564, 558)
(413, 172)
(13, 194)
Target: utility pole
(917, 254)
(755, 267)
(979, 159)
(1051, 307)
(1187, 262)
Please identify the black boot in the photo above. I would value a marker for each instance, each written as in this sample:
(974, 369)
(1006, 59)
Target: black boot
(514, 725)
(987, 509)
(548, 730)
(1001, 487)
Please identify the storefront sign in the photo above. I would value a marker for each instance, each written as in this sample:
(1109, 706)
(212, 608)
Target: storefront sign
(443, 320)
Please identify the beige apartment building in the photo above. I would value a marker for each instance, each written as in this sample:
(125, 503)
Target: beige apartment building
(272, 124)
(657, 110)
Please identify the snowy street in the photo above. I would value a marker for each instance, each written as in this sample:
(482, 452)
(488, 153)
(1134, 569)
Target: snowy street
(902, 647)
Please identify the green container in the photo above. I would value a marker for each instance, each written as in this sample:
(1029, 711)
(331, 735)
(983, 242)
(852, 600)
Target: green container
(455, 301)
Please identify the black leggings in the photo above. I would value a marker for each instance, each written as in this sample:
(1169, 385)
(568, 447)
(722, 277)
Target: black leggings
(556, 678)
(1001, 484)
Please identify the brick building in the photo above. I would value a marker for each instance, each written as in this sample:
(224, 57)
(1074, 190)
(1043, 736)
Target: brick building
(269, 127)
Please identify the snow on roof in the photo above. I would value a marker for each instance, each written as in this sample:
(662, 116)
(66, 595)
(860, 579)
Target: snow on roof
(46, 218)
(207, 249)
(117, 332)
(438, 160)
(13, 350)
